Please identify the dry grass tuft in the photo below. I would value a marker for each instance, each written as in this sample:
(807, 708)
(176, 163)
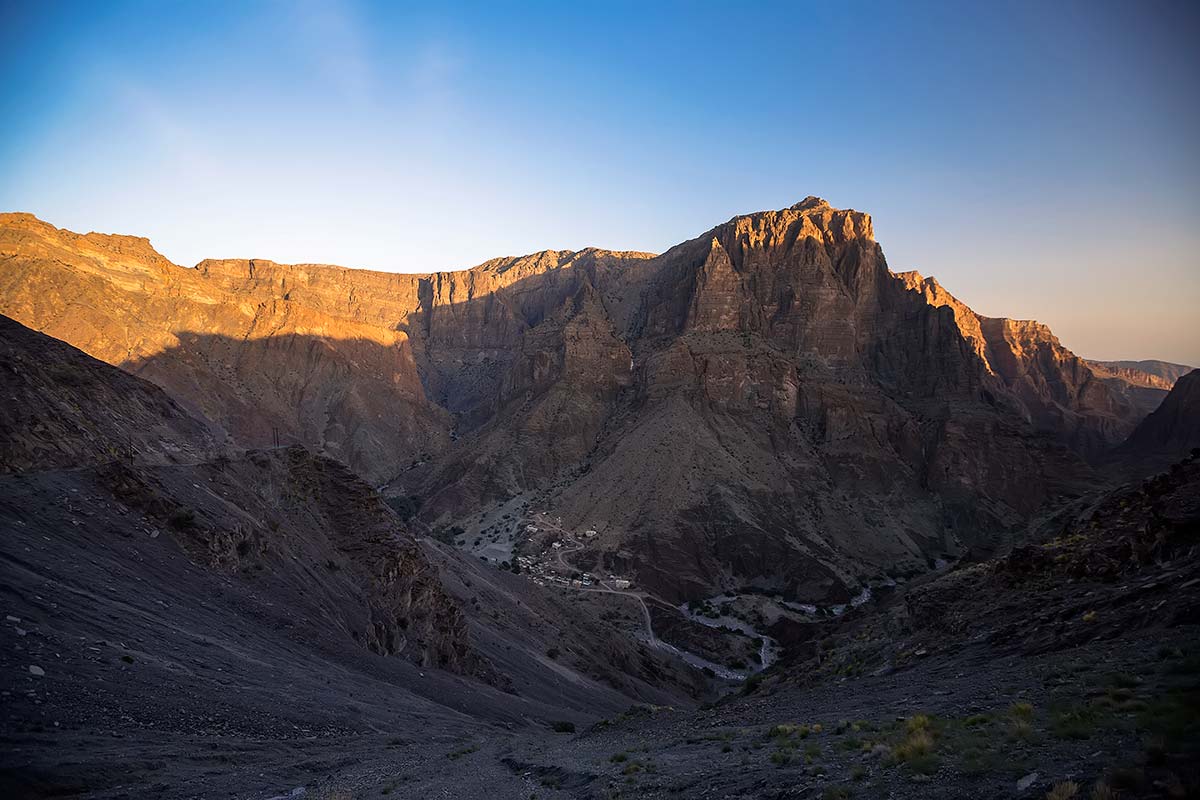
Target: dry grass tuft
(919, 722)
(1063, 790)
(918, 743)
(1022, 710)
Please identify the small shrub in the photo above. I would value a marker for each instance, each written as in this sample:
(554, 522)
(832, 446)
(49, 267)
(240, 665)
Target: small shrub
(1021, 730)
(1063, 790)
(836, 793)
(562, 726)
(1022, 710)
(1073, 724)
(857, 773)
(1102, 791)
(617, 758)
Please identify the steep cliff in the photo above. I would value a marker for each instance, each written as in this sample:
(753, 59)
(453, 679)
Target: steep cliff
(1058, 392)
(794, 417)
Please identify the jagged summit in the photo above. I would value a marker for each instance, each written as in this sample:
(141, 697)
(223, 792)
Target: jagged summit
(810, 203)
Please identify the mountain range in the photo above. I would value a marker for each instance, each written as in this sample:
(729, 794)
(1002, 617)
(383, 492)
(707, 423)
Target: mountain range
(764, 406)
(278, 528)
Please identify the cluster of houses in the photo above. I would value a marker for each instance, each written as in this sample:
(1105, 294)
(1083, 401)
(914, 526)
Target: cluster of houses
(542, 570)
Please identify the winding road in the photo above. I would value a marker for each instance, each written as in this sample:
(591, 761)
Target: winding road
(691, 658)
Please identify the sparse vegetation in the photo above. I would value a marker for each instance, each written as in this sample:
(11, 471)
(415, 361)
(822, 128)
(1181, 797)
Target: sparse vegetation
(1064, 790)
(1074, 723)
(562, 726)
(465, 751)
(916, 750)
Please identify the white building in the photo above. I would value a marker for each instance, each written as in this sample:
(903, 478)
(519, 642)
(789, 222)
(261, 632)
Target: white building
(621, 583)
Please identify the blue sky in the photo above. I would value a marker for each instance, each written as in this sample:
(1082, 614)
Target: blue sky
(1038, 158)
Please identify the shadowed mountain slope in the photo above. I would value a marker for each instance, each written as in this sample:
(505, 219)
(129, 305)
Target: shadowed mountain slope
(267, 600)
(1172, 431)
(51, 392)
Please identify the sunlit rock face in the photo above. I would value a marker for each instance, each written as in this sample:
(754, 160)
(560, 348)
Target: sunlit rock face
(765, 405)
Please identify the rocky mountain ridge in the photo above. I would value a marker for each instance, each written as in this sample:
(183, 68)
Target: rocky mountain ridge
(731, 413)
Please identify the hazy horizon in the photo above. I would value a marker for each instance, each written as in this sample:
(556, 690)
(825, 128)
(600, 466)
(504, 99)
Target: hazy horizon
(1060, 186)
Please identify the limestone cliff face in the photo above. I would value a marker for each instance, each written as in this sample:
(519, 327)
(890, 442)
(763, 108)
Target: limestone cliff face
(228, 341)
(366, 367)
(765, 405)
(788, 392)
(1058, 392)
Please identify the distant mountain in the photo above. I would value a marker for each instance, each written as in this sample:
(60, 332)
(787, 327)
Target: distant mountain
(764, 406)
(1172, 431)
(1160, 374)
(1144, 383)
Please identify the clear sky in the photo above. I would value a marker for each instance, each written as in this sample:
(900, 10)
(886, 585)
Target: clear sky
(1041, 159)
